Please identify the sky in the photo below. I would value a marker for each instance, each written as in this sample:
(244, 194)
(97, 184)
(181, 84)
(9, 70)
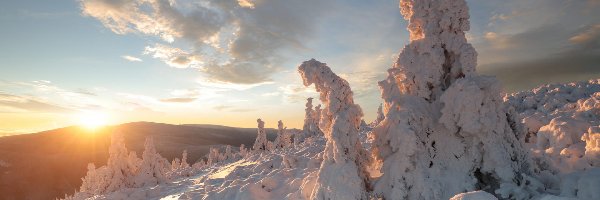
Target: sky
(229, 62)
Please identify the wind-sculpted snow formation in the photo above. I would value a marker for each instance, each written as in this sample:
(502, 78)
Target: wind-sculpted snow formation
(342, 174)
(446, 129)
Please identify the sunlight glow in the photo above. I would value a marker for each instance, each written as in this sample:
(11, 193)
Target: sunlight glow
(92, 120)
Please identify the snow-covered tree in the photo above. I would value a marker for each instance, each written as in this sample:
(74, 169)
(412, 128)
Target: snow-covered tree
(154, 167)
(120, 172)
(184, 162)
(270, 146)
(213, 156)
(175, 164)
(199, 165)
(446, 129)
(228, 154)
(133, 161)
(308, 117)
(243, 151)
(283, 139)
(91, 183)
(117, 174)
(261, 142)
(311, 120)
(316, 120)
(380, 115)
(342, 174)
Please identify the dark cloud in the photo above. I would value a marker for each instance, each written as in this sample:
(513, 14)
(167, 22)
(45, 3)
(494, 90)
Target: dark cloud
(233, 41)
(576, 59)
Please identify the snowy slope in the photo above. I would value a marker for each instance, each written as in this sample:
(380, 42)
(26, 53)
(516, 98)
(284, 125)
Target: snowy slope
(291, 173)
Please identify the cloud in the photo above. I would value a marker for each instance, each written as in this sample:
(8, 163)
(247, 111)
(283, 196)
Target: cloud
(131, 58)
(174, 57)
(297, 93)
(270, 94)
(235, 41)
(246, 3)
(588, 35)
(528, 43)
(178, 100)
(228, 108)
(364, 83)
(14, 103)
(222, 107)
(224, 86)
(576, 59)
(85, 92)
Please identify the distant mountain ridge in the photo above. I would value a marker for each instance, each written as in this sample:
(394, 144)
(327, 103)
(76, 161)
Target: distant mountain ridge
(48, 164)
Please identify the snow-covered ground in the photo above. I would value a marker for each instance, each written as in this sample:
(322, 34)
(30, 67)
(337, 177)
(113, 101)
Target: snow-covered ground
(281, 174)
(290, 173)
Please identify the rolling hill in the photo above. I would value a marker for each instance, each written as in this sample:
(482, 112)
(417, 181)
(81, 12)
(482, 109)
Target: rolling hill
(48, 164)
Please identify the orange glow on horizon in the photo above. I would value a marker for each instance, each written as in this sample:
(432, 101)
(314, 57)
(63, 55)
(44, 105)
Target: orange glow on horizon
(92, 120)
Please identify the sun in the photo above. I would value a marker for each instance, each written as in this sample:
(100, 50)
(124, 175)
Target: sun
(92, 120)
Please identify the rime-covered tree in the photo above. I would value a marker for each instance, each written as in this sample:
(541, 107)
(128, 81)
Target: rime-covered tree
(311, 120)
(154, 167)
(380, 115)
(308, 117)
(316, 120)
(120, 172)
(243, 151)
(283, 138)
(213, 156)
(184, 162)
(199, 165)
(92, 182)
(342, 174)
(261, 142)
(133, 161)
(175, 164)
(446, 129)
(117, 174)
(228, 155)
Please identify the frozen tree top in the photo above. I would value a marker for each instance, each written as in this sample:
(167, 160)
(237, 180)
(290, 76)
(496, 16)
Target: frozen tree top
(438, 53)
